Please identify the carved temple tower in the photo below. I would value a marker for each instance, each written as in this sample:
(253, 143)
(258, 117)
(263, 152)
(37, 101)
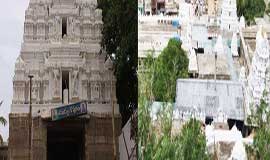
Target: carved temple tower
(258, 76)
(61, 49)
(229, 16)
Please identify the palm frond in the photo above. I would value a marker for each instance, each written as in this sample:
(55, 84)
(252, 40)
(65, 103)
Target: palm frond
(3, 121)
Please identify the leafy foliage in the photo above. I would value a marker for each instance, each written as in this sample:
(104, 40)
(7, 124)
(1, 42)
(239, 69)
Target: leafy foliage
(261, 118)
(250, 9)
(3, 121)
(240, 7)
(120, 39)
(155, 140)
(193, 143)
(267, 11)
(171, 64)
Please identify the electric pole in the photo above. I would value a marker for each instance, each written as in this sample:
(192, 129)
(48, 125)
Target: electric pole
(30, 117)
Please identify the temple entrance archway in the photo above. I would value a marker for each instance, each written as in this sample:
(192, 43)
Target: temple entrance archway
(65, 140)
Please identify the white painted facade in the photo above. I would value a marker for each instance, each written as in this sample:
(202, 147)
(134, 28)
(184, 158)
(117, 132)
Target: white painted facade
(61, 49)
(229, 18)
(154, 33)
(257, 74)
(234, 47)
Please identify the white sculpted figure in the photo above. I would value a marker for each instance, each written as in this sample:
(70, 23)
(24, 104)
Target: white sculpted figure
(35, 90)
(34, 93)
(57, 25)
(46, 56)
(56, 82)
(75, 84)
(71, 26)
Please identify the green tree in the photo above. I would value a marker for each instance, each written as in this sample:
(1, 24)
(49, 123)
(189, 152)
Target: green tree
(261, 118)
(171, 64)
(193, 141)
(240, 7)
(120, 39)
(3, 121)
(157, 144)
(250, 9)
(146, 136)
(267, 11)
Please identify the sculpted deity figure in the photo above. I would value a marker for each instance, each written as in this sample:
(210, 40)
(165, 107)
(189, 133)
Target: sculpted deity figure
(41, 9)
(56, 83)
(56, 25)
(36, 94)
(46, 57)
(71, 26)
(75, 83)
(84, 59)
(98, 14)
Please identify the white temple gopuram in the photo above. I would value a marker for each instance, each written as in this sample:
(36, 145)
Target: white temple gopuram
(229, 16)
(257, 74)
(61, 49)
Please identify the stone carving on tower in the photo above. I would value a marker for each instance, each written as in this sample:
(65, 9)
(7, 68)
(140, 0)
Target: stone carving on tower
(61, 44)
(229, 18)
(75, 80)
(234, 47)
(61, 49)
(257, 75)
(56, 83)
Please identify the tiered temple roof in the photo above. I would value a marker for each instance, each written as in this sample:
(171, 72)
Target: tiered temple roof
(228, 16)
(260, 61)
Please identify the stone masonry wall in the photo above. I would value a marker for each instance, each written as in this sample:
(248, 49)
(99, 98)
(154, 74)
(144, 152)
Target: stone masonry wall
(39, 142)
(99, 139)
(18, 137)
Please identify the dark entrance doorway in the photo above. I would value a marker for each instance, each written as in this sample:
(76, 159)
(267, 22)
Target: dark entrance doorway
(65, 140)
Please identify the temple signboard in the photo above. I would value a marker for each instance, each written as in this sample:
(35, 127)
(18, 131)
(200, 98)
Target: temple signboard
(68, 111)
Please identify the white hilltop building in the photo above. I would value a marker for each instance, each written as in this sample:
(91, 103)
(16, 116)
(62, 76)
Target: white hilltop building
(257, 75)
(186, 33)
(242, 23)
(220, 99)
(219, 48)
(186, 15)
(186, 11)
(234, 48)
(193, 64)
(154, 33)
(229, 20)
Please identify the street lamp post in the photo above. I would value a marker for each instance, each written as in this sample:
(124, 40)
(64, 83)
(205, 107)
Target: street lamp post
(30, 117)
(113, 123)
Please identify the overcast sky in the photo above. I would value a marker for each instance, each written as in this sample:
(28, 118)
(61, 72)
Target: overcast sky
(11, 34)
